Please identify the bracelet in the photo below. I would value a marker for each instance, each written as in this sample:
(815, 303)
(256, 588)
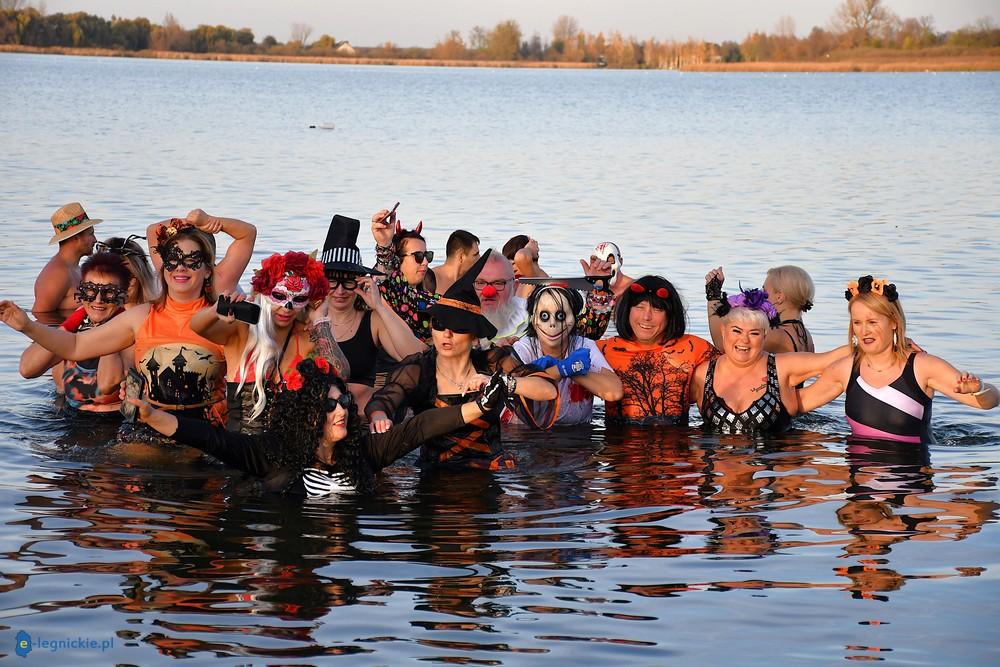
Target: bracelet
(316, 323)
(713, 290)
(983, 388)
(511, 382)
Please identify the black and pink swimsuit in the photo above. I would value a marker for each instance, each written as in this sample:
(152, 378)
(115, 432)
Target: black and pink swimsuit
(899, 411)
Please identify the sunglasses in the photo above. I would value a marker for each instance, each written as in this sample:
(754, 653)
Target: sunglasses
(438, 325)
(122, 248)
(661, 292)
(346, 283)
(89, 292)
(498, 285)
(344, 401)
(193, 260)
(420, 256)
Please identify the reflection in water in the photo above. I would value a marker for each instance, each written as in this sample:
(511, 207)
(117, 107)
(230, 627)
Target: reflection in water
(461, 564)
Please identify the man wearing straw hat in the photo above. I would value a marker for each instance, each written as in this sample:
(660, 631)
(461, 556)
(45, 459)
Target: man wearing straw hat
(56, 284)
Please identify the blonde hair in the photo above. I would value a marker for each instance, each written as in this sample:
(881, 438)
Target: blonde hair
(795, 284)
(882, 306)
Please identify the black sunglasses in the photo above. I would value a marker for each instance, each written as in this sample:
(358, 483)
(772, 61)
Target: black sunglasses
(438, 325)
(338, 281)
(420, 256)
(122, 249)
(344, 401)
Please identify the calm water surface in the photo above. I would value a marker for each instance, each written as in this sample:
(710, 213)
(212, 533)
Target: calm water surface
(604, 547)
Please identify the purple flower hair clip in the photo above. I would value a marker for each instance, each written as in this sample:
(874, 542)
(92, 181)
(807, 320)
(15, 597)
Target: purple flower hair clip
(754, 299)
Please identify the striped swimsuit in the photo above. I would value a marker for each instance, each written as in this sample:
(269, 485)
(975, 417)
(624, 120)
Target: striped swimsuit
(900, 411)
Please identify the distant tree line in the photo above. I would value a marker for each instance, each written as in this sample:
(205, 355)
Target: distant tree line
(856, 24)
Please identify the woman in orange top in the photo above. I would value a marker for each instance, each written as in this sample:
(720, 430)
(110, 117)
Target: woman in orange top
(652, 355)
(185, 373)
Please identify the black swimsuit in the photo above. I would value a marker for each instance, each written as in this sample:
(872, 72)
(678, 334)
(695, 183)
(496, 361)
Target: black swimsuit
(361, 352)
(767, 414)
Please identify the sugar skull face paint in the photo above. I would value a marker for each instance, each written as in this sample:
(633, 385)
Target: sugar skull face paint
(553, 320)
(291, 292)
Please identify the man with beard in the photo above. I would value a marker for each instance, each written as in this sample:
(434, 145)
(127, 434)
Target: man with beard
(506, 307)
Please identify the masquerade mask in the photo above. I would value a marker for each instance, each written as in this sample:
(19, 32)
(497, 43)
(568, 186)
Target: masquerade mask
(121, 248)
(193, 260)
(344, 401)
(88, 293)
(291, 293)
(438, 325)
(661, 292)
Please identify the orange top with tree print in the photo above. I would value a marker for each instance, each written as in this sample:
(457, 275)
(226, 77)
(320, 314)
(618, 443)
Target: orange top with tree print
(656, 378)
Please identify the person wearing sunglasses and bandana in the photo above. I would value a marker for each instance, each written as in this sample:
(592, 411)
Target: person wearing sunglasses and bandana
(89, 385)
(403, 256)
(316, 445)
(451, 371)
(184, 371)
(653, 355)
(288, 289)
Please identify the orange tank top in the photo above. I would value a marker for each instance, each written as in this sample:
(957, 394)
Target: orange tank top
(183, 370)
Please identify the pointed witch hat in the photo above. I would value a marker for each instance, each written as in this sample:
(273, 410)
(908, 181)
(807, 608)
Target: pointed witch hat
(460, 310)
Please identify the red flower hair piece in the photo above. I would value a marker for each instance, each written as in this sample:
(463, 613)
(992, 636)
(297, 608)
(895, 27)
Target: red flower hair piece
(165, 233)
(323, 365)
(292, 266)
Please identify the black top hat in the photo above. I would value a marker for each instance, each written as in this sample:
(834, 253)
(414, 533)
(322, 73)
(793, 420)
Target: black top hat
(460, 309)
(340, 251)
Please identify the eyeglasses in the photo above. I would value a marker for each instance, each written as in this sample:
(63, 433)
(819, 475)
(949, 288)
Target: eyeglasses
(438, 325)
(340, 281)
(123, 248)
(193, 260)
(498, 285)
(344, 401)
(420, 256)
(89, 292)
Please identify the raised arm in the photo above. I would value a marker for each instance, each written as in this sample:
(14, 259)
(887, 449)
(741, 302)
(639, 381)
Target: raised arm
(220, 329)
(113, 336)
(714, 280)
(964, 387)
(389, 331)
(321, 336)
(229, 270)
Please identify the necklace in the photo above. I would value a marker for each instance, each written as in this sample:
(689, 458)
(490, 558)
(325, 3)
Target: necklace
(879, 370)
(461, 385)
(349, 320)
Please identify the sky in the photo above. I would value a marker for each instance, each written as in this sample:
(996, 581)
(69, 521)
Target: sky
(424, 22)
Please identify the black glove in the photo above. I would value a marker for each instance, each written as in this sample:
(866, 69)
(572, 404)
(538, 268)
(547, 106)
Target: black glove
(713, 289)
(494, 393)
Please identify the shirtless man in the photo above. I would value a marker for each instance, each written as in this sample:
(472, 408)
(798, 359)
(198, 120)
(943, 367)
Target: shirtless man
(462, 252)
(56, 285)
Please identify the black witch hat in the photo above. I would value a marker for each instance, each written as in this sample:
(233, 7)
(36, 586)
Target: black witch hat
(460, 310)
(340, 252)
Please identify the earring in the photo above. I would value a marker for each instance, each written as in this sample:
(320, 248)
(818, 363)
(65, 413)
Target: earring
(894, 338)
(854, 340)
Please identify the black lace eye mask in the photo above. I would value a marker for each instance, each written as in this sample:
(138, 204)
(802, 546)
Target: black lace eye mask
(88, 292)
(193, 260)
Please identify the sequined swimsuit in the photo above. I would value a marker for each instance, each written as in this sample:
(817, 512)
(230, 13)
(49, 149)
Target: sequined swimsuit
(767, 414)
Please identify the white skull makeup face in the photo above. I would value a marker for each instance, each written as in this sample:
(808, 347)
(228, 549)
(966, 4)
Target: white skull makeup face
(553, 320)
(292, 293)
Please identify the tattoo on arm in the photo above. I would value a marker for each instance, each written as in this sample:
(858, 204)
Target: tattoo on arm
(321, 335)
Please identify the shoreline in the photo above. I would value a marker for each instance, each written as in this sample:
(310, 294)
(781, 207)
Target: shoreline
(890, 62)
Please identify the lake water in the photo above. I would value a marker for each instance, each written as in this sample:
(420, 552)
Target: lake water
(604, 547)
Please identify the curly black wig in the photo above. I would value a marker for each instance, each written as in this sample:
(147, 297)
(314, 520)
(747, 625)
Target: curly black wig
(298, 420)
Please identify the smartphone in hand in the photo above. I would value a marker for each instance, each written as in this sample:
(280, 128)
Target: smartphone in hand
(244, 311)
(135, 387)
